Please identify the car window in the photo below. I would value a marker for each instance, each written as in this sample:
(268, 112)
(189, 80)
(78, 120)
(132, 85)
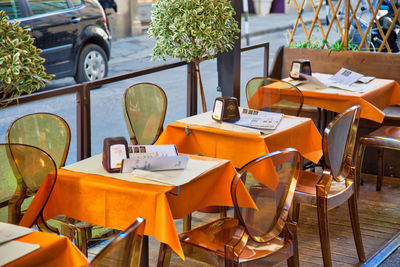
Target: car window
(41, 7)
(11, 8)
(76, 2)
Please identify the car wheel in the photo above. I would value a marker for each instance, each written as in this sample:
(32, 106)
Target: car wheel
(92, 64)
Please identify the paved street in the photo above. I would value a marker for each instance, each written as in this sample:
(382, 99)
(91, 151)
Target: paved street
(134, 53)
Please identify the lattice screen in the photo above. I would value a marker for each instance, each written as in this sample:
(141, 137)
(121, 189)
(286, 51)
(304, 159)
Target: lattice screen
(350, 21)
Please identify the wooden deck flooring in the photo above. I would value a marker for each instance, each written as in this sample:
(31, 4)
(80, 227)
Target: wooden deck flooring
(379, 218)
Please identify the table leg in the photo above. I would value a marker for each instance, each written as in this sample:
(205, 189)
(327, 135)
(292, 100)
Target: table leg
(144, 257)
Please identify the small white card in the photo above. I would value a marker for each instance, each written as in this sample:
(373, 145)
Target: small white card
(117, 154)
(217, 112)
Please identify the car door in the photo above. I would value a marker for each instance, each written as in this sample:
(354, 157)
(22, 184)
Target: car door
(54, 29)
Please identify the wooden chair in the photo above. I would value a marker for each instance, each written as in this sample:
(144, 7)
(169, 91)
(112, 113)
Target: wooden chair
(124, 250)
(52, 134)
(29, 166)
(289, 102)
(337, 183)
(144, 106)
(384, 137)
(262, 229)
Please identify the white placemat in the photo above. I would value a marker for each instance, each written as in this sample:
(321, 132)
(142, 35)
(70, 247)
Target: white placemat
(354, 88)
(13, 250)
(11, 231)
(205, 119)
(193, 169)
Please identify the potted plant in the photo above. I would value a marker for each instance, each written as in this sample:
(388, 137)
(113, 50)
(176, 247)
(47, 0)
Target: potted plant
(192, 30)
(21, 67)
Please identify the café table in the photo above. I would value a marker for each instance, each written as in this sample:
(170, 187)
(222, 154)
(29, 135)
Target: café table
(54, 250)
(373, 97)
(200, 134)
(116, 200)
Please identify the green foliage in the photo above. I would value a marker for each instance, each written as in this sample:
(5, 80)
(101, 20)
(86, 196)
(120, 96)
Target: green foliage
(308, 44)
(192, 29)
(338, 46)
(21, 67)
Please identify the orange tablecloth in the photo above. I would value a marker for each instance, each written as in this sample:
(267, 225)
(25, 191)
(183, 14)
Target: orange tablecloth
(240, 148)
(116, 203)
(54, 251)
(372, 102)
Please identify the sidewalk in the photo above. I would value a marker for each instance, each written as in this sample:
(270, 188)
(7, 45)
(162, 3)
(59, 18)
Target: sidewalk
(274, 22)
(136, 46)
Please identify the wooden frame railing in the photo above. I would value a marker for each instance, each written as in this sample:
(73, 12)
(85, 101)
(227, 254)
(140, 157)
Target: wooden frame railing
(350, 18)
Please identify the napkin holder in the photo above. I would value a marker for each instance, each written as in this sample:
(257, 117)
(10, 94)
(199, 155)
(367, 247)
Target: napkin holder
(226, 109)
(300, 66)
(115, 149)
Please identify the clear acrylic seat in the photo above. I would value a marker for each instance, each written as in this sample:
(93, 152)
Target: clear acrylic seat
(337, 184)
(278, 96)
(144, 106)
(262, 231)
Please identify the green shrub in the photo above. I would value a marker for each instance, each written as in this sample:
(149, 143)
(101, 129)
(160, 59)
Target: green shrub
(192, 29)
(21, 67)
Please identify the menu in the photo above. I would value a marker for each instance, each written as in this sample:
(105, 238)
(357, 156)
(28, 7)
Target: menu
(154, 158)
(344, 79)
(262, 120)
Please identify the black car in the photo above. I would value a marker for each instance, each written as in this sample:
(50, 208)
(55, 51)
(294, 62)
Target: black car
(73, 35)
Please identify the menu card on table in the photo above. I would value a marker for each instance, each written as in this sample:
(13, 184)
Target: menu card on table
(153, 157)
(12, 250)
(344, 79)
(262, 120)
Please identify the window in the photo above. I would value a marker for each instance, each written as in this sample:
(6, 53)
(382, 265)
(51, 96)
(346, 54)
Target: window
(41, 7)
(11, 8)
(76, 2)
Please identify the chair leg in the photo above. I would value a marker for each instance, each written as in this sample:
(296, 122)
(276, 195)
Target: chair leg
(14, 210)
(359, 160)
(296, 211)
(82, 240)
(322, 210)
(187, 223)
(164, 255)
(291, 262)
(223, 211)
(294, 260)
(14, 205)
(379, 180)
(355, 225)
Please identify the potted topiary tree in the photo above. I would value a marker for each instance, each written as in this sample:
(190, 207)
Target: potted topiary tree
(192, 30)
(21, 67)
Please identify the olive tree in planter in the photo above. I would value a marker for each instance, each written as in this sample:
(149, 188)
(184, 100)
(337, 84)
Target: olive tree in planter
(21, 67)
(192, 30)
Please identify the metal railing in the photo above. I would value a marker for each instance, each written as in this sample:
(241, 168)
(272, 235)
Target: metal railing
(83, 117)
